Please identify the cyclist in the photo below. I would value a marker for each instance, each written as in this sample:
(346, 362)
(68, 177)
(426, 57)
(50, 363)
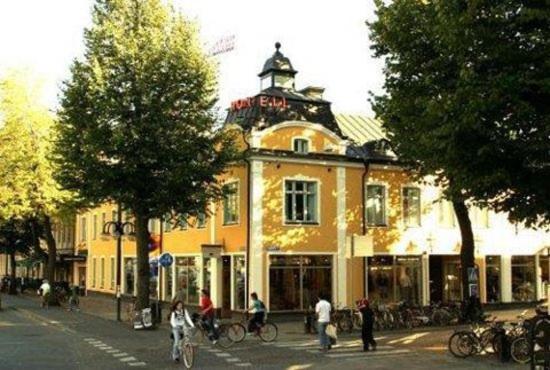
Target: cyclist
(257, 309)
(181, 323)
(207, 315)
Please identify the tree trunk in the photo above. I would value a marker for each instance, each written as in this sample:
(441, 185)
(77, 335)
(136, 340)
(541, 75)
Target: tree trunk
(52, 253)
(467, 259)
(13, 285)
(36, 241)
(142, 253)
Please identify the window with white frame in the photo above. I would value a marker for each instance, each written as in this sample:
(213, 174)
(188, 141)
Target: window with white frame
(231, 204)
(479, 217)
(301, 146)
(376, 205)
(83, 230)
(411, 206)
(300, 201)
(446, 214)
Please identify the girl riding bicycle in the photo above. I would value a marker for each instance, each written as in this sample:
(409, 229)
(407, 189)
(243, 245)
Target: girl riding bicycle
(181, 324)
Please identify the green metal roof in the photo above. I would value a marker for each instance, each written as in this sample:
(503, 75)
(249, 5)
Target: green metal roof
(360, 129)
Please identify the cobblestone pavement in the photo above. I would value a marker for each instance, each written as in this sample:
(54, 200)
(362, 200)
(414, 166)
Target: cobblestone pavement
(34, 338)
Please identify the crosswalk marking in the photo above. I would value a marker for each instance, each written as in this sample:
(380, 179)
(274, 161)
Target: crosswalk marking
(368, 354)
(350, 348)
(137, 364)
(120, 354)
(128, 359)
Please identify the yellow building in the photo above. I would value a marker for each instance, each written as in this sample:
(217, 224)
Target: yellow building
(313, 185)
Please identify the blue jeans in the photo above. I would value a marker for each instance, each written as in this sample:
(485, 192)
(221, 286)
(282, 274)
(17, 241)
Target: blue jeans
(323, 337)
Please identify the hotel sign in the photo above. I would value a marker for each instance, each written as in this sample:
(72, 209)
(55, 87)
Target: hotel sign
(261, 101)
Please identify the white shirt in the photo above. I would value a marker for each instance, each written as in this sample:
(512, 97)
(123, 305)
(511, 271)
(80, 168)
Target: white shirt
(45, 287)
(322, 308)
(181, 319)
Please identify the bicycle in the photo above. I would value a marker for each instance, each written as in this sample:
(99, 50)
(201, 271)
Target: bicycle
(186, 350)
(219, 333)
(343, 319)
(465, 343)
(266, 331)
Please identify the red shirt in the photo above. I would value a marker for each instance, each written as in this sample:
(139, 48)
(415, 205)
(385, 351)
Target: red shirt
(206, 302)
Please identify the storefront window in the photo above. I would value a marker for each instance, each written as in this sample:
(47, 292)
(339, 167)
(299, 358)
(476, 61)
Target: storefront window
(167, 283)
(395, 278)
(381, 278)
(492, 276)
(153, 280)
(187, 273)
(452, 288)
(409, 279)
(523, 278)
(130, 267)
(239, 273)
(296, 281)
(544, 272)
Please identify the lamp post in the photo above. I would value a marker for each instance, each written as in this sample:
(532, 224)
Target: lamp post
(118, 229)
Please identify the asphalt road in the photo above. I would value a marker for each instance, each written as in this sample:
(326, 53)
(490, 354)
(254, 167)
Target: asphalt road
(35, 338)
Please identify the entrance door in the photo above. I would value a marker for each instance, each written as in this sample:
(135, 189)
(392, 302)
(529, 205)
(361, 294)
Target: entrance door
(226, 283)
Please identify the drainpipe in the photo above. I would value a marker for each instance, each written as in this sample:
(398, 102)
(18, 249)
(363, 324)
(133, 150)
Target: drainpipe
(248, 220)
(364, 216)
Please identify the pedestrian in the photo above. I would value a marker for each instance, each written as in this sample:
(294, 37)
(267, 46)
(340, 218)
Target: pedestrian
(257, 308)
(322, 309)
(44, 291)
(368, 322)
(74, 301)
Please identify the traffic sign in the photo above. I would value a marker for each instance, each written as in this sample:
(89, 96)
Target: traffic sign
(166, 260)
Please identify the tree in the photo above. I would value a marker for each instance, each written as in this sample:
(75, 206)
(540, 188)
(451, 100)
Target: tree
(27, 187)
(137, 122)
(15, 238)
(466, 102)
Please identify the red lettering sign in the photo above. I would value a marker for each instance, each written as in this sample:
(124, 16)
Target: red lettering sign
(262, 101)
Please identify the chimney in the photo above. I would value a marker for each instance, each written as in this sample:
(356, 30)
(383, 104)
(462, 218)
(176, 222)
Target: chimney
(314, 92)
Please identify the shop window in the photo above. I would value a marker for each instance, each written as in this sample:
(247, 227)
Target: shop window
(102, 273)
(300, 202)
(201, 220)
(523, 278)
(301, 146)
(376, 205)
(395, 278)
(544, 272)
(187, 276)
(130, 269)
(239, 281)
(411, 207)
(113, 273)
(168, 283)
(231, 204)
(153, 280)
(94, 271)
(295, 282)
(492, 277)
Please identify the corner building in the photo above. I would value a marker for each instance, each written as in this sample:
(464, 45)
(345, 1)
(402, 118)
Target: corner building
(320, 205)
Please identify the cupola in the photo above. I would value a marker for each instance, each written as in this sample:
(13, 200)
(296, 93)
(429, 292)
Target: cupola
(277, 72)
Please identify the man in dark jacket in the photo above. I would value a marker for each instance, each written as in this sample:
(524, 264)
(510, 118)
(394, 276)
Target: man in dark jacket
(368, 321)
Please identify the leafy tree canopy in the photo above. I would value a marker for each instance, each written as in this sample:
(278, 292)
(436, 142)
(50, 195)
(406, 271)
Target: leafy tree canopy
(467, 97)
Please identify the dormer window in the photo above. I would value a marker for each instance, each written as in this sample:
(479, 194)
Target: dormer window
(301, 146)
(277, 72)
(283, 81)
(266, 82)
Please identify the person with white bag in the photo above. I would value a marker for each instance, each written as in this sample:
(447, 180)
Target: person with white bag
(322, 309)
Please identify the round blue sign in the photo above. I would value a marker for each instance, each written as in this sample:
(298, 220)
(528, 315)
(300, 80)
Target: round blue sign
(166, 260)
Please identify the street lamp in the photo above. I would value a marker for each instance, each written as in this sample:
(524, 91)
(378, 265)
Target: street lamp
(118, 229)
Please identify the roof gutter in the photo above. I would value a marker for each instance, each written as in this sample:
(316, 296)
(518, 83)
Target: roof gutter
(248, 221)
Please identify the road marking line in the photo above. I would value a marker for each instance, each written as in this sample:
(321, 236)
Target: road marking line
(120, 354)
(233, 359)
(104, 348)
(137, 364)
(348, 349)
(112, 351)
(89, 339)
(127, 359)
(222, 354)
(213, 350)
(243, 364)
(369, 354)
(99, 345)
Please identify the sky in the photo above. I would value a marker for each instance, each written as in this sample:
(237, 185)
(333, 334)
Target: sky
(326, 41)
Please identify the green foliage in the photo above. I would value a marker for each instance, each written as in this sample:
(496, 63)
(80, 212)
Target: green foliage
(467, 98)
(136, 124)
(15, 236)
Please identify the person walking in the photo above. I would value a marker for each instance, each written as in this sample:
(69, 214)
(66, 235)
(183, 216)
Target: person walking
(181, 323)
(74, 301)
(44, 291)
(322, 309)
(368, 321)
